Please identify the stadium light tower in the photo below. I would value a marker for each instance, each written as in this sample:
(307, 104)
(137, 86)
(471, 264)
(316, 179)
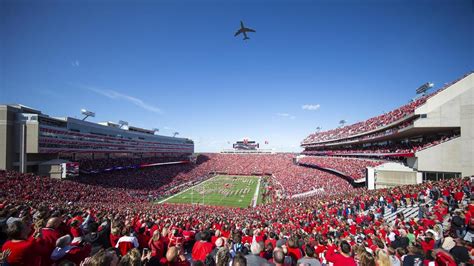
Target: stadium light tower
(423, 88)
(175, 134)
(342, 122)
(87, 114)
(122, 123)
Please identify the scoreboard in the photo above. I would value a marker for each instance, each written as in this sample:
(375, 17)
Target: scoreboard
(245, 145)
(70, 169)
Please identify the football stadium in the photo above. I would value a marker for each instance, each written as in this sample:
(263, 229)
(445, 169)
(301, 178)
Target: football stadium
(105, 186)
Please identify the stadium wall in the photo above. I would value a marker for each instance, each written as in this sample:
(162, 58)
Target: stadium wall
(384, 179)
(51, 169)
(453, 107)
(32, 130)
(391, 174)
(445, 157)
(6, 133)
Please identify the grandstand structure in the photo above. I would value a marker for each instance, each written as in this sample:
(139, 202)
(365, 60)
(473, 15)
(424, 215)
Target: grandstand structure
(430, 138)
(30, 139)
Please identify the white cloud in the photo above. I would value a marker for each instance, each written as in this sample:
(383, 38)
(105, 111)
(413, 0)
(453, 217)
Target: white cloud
(311, 107)
(286, 115)
(75, 63)
(120, 96)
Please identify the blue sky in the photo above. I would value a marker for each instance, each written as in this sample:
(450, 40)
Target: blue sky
(176, 66)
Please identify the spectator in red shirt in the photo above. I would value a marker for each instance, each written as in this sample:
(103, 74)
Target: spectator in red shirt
(49, 235)
(143, 237)
(157, 246)
(320, 249)
(428, 242)
(343, 258)
(127, 241)
(202, 247)
(216, 235)
(293, 250)
(271, 239)
(444, 258)
(76, 231)
(114, 236)
(23, 249)
(458, 196)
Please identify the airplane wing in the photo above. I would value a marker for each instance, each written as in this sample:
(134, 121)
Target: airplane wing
(239, 32)
(249, 30)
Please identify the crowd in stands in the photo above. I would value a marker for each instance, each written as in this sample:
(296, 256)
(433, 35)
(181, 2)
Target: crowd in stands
(162, 181)
(407, 147)
(61, 222)
(367, 125)
(375, 122)
(429, 144)
(373, 136)
(351, 167)
(293, 178)
(152, 183)
(103, 164)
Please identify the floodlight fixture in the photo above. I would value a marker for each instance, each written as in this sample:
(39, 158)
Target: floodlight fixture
(425, 87)
(87, 114)
(342, 122)
(122, 123)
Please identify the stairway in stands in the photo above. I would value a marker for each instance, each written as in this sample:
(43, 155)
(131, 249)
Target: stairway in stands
(409, 212)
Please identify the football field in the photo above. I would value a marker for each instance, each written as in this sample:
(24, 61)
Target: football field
(221, 190)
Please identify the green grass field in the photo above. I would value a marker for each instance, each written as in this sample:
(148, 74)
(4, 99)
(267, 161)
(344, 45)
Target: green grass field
(221, 190)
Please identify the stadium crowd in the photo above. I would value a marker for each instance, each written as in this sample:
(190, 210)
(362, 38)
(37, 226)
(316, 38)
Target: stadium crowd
(158, 182)
(367, 125)
(373, 136)
(376, 122)
(52, 222)
(350, 167)
(293, 178)
(405, 147)
(104, 164)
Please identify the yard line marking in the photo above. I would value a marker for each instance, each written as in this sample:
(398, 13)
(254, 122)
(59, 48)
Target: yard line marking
(186, 190)
(255, 196)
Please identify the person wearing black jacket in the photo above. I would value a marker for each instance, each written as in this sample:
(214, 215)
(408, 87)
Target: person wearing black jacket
(401, 241)
(414, 256)
(460, 252)
(457, 224)
(98, 238)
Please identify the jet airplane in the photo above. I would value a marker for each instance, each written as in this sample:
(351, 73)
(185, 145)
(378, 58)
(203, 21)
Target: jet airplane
(244, 30)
